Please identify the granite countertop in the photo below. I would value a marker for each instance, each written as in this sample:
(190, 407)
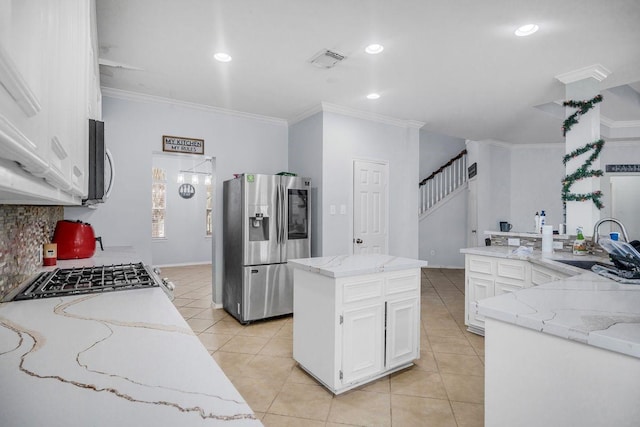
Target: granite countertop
(355, 265)
(116, 358)
(585, 307)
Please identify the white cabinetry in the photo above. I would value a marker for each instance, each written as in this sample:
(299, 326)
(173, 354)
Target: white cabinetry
(487, 276)
(49, 88)
(541, 275)
(351, 330)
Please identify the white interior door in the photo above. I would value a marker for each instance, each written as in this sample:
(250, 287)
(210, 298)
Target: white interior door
(370, 207)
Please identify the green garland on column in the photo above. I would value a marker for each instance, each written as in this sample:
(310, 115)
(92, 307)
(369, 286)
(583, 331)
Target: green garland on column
(583, 107)
(583, 171)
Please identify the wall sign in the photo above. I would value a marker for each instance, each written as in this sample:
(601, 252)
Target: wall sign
(186, 191)
(177, 144)
(472, 170)
(623, 168)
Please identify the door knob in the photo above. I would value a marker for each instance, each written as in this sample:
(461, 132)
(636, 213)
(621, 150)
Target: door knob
(358, 241)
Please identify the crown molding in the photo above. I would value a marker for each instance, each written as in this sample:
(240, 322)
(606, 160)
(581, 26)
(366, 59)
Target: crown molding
(374, 117)
(141, 97)
(596, 71)
(346, 111)
(305, 114)
(619, 124)
(545, 145)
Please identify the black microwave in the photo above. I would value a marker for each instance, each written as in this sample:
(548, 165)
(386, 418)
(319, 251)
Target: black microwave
(97, 158)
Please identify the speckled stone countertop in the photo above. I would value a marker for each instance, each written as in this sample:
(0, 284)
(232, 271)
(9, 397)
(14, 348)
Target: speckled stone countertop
(118, 358)
(585, 307)
(355, 265)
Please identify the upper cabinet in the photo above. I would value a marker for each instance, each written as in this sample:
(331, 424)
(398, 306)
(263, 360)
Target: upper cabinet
(49, 89)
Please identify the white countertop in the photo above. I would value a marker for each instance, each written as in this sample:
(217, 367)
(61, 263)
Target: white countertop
(586, 307)
(355, 265)
(119, 358)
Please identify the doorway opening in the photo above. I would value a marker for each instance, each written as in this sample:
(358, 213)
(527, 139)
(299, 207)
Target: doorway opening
(183, 192)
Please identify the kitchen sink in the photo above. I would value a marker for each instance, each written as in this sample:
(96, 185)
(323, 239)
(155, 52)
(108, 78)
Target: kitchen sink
(585, 264)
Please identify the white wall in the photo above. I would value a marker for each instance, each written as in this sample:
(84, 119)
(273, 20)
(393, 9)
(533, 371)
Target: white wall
(437, 149)
(347, 138)
(493, 184)
(536, 183)
(443, 232)
(133, 131)
(305, 157)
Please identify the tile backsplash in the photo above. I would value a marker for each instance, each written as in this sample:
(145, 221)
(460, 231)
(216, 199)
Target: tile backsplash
(23, 231)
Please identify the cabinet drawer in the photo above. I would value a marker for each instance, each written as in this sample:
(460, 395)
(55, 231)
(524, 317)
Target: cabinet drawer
(481, 265)
(402, 283)
(504, 287)
(362, 291)
(541, 276)
(512, 269)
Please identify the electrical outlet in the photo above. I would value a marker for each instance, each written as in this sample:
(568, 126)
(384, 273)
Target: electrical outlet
(513, 242)
(39, 255)
(332, 209)
(557, 245)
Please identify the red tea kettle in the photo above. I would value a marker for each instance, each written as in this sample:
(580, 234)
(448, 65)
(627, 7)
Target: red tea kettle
(75, 239)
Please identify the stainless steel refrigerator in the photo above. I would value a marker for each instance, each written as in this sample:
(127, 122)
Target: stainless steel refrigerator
(266, 220)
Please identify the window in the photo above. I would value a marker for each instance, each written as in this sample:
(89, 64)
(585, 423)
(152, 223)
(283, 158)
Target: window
(209, 214)
(158, 202)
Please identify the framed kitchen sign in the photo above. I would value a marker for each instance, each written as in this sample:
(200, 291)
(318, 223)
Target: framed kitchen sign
(178, 144)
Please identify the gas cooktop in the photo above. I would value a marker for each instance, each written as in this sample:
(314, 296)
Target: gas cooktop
(85, 280)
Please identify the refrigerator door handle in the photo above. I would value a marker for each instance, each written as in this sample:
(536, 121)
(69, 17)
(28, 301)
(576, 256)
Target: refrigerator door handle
(283, 196)
(278, 215)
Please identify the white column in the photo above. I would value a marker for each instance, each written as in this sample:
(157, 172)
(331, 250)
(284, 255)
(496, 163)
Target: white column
(583, 85)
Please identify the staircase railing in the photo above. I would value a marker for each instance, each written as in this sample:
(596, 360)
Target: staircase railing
(448, 178)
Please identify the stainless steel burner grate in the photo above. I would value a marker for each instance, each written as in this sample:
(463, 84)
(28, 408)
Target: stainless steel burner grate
(74, 281)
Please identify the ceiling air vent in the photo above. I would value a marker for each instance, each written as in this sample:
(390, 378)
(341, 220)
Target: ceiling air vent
(326, 58)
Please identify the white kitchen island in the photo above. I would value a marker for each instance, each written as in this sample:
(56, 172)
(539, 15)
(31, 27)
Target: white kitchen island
(356, 318)
(566, 353)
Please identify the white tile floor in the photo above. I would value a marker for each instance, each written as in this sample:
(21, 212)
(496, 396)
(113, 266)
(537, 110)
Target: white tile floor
(444, 388)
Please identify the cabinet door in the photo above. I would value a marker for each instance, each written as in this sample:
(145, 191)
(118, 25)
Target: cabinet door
(362, 342)
(541, 275)
(402, 331)
(479, 288)
(503, 287)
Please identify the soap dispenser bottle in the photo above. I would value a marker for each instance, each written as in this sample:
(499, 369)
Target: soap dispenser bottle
(580, 244)
(543, 220)
(536, 218)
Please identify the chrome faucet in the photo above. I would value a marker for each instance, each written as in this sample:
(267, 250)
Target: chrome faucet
(596, 229)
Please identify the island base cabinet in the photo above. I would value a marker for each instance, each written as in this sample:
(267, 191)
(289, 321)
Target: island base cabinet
(362, 341)
(353, 330)
(535, 379)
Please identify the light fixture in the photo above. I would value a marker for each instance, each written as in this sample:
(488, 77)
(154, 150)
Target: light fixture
(373, 96)
(222, 57)
(526, 30)
(194, 173)
(374, 49)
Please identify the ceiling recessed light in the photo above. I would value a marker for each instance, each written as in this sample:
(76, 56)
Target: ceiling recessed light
(373, 96)
(374, 49)
(526, 30)
(222, 57)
